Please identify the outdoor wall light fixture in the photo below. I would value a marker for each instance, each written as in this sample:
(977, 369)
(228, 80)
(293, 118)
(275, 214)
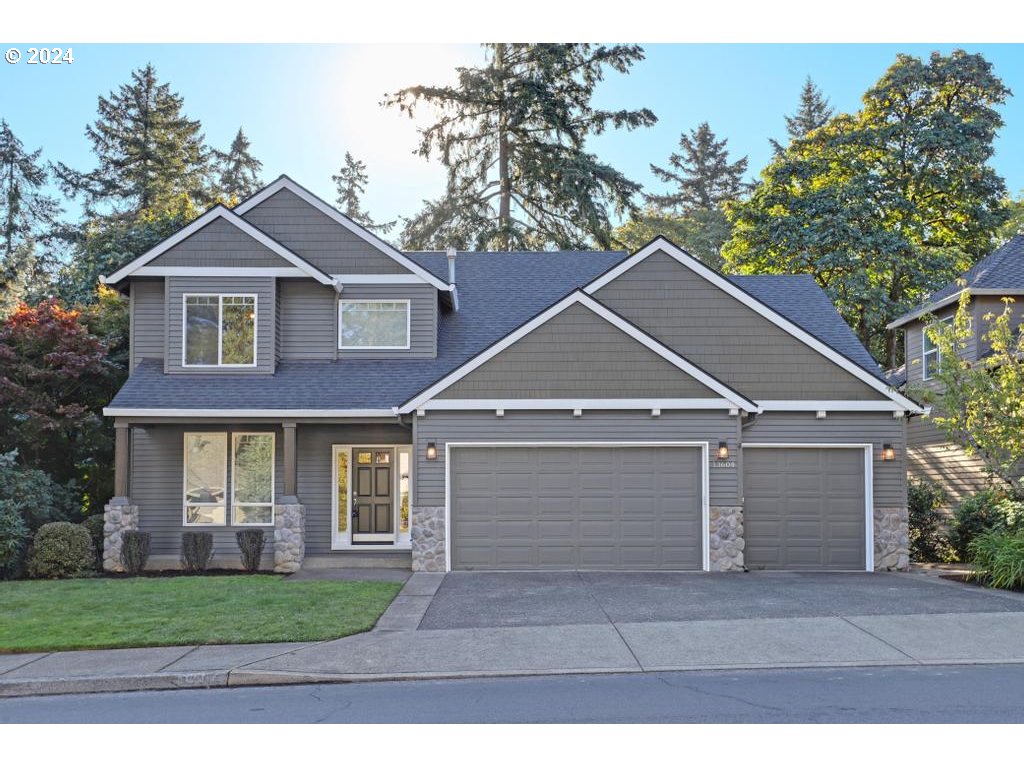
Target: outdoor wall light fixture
(431, 450)
(888, 452)
(723, 450)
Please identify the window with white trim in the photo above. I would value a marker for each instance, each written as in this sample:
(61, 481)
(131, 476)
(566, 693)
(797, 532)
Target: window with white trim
(219, 330)
(373, 324)
(206, 478)
(931, 356)
(252, 478)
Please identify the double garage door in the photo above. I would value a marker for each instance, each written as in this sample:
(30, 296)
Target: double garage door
(640, 507)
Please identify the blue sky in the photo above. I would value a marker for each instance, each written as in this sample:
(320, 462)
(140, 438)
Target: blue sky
(304, 106)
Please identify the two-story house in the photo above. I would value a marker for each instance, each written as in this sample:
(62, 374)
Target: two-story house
(930, 454)
(553, 410)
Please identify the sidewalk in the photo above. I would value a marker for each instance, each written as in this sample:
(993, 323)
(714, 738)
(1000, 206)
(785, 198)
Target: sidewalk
(395, 650)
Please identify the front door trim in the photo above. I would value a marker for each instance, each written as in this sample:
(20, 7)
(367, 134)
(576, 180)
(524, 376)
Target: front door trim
(343, 542)
(869, 488)
(705, 478)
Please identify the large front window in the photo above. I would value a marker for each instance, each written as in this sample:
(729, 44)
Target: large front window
(374, 325)
(220, 330)
(206, 469)
(252, 478)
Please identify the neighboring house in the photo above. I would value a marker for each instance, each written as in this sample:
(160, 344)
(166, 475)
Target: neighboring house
(930, 455)
(573, 410)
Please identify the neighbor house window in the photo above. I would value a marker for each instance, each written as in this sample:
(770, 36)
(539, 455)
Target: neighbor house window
(931, 357)
(373, 325)
(252, 478)
(206, 470)
(220, 330)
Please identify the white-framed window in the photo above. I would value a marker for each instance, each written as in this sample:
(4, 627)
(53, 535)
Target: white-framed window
(931, 356)
(206, 478)
(374, 324)
(252, 478)
(218, 330)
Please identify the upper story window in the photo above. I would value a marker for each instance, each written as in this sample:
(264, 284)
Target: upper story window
(374, 324)
(219, 330)
(931, 356)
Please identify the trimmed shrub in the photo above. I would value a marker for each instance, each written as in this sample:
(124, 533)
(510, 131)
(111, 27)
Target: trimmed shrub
(14, 539)
(61, 550)
(94, 524)
(998, 557)
(250, 543)
(989, 510)
(929, 542)
(196, 549)
(134, 551)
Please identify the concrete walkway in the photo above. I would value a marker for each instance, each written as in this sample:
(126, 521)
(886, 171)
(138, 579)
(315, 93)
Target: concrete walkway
(397, 649)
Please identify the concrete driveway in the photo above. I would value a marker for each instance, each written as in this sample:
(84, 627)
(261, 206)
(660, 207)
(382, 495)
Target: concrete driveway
(476, 600)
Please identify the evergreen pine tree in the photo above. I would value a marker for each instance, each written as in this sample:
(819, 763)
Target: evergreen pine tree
(704, 178)
(351, 180)
(238, 171)
(512, 136)
(814, 111)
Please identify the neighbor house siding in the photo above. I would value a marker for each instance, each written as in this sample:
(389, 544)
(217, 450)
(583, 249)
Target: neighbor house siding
(157, 486)
(875, 428)
(577, 354)
(265, 290)
(914, 340)
(724, 336)
(442, 427)
(422, 319)
(147, 320)
(219, 244)
(993, 305)
(315, 489)
(933, 458)
(318, 238)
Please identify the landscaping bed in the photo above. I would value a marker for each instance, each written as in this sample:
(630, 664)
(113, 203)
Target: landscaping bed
(183, 610)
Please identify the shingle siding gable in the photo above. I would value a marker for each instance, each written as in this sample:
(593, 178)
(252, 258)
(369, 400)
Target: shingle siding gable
(219, 244)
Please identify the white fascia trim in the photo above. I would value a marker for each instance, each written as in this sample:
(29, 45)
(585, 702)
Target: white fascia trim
(379, 279)
(215, 413)
(735, 399)
(328, 210)
(661, 244)
(219, 272)
(887, 406)
(928, 309)
(604, 404)
(218, 212)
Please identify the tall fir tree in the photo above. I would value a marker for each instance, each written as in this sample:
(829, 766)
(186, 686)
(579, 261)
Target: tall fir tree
(814, 111)
(148, 151)
(703, 177)
(350, 181)
(512, 135)
(238, 170)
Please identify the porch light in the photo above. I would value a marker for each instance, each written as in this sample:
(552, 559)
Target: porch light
(888, 452)
(431, 450)
(723, 450)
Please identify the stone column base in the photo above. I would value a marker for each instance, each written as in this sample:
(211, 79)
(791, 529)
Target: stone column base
(725, 540)
(427, 526)
(892, 539)
(289, 537)
(119, 515)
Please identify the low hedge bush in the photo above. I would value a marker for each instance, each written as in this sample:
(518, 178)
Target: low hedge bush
(196, 550)
(998, 557)
(134, 551)
(61, 550)
(989, 510)
(250, 544)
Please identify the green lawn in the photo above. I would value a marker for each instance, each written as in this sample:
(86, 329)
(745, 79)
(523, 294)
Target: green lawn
(126, 613)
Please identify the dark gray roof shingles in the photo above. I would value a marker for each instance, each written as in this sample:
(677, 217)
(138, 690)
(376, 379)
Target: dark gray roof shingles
(1001, 269)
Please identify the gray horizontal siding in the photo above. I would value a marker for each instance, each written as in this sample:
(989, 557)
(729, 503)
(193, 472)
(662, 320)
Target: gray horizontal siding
(315, 490)
(993, 305)
(157, 486)
(263, 287)
(306, 320)
(531, 426)
(219, 244)
(317, 238)
(874, 428)
(724, 336)
(577, 354)
(933, 458)
(422, 319)
(147, 320)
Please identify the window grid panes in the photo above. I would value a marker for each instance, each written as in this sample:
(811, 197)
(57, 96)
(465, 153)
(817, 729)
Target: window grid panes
(205, 478)
(374, 325)
(220, 330)
(252, 484)
(931, 357)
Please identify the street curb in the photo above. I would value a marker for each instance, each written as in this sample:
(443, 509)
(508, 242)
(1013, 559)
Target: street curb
(119, 684)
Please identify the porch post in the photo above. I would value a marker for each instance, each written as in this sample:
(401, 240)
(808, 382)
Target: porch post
(289, 514)
(120, 461)
(290, 464)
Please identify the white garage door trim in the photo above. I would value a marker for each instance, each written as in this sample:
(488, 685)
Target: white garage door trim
(705, 493)
(869, 488)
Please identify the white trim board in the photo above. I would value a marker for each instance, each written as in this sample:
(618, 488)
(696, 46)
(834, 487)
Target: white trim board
(559, 404)
(723, 283)
(705, 522)
(330, 211)
(888, 406)
(219, 212)
(735, 399)
(378, 279)
(869, 487)
(219, 272)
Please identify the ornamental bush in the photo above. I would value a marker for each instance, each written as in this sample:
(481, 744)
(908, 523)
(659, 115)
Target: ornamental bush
(989, 510)
(94, 525)
(929, 542)
(61, 550)
(998, 557)
(196, 550)
(134, 551)
(14, 539)
(250, 544)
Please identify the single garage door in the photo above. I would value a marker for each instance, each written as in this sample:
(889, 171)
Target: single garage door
(804, 508)
(576, 508)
